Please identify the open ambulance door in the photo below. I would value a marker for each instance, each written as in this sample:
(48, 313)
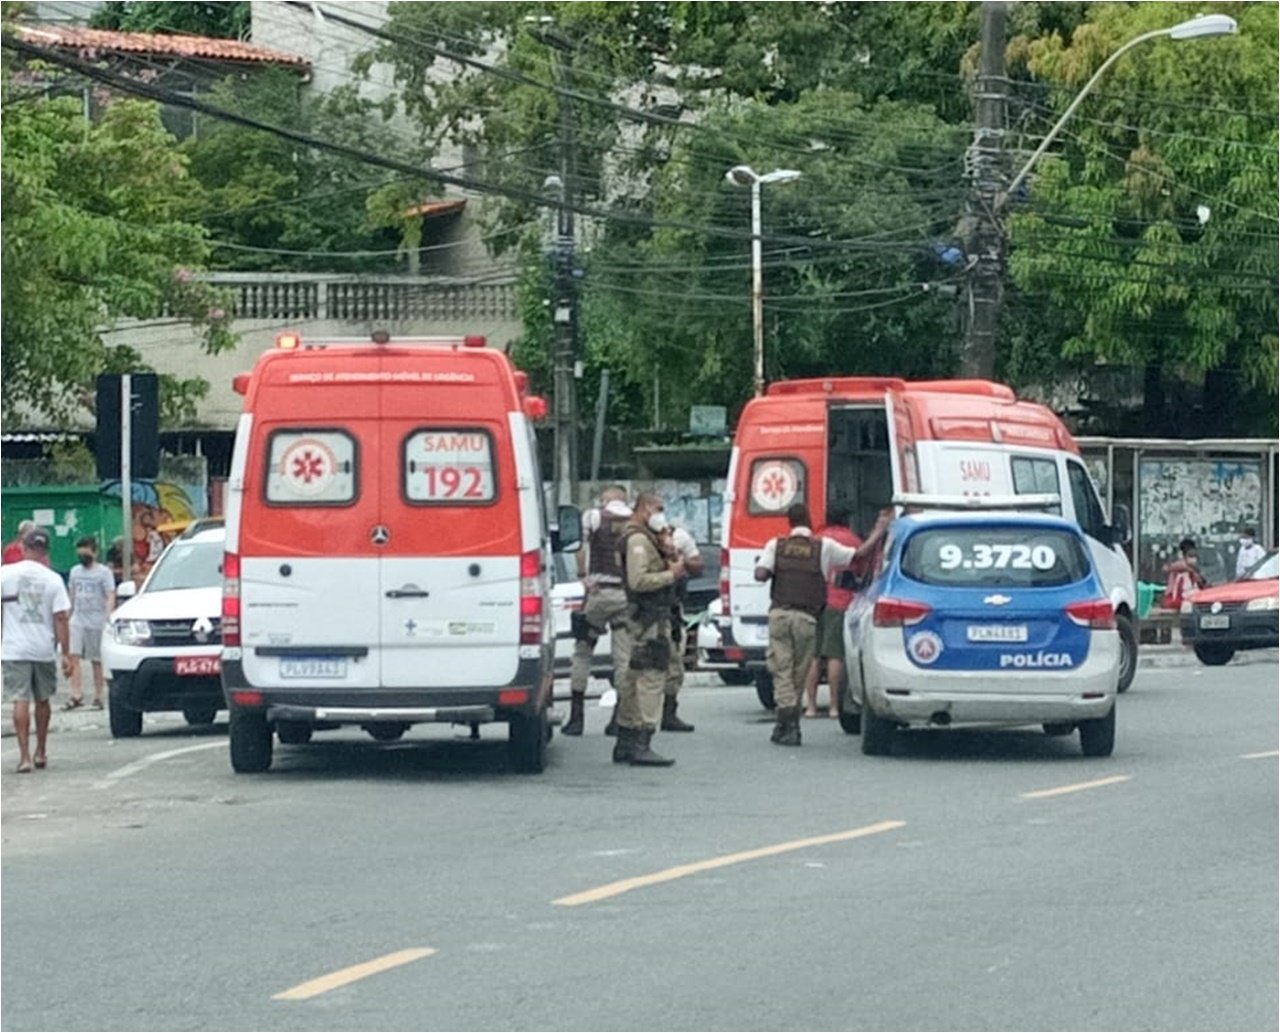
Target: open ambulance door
(902, 444)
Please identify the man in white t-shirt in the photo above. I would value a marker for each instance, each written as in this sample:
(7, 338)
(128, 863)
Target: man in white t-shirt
(1250, 552)
(33, 616)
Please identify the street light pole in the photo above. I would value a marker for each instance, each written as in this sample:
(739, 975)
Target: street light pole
(745, 176)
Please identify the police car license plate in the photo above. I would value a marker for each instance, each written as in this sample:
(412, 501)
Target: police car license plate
(313, 667)
(1215, 622)
(996, 633)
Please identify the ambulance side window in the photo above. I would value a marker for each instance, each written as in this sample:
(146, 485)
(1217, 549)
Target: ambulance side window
(449, 466)
(1035, 476)
(775, 485)
(1088, 509)
(312, 467)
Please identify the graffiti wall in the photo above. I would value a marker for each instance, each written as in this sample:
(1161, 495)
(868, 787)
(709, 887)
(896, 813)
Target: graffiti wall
(1205, 499)
(179, 495)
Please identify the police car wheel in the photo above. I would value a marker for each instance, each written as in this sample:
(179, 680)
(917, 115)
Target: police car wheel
(1098, 737)
(764, 689)
(250, 742)
(877, 734)
(1128, 650)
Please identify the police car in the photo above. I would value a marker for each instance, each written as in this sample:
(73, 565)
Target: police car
(995, 617)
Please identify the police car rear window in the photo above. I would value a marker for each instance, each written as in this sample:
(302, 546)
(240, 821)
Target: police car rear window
(313, 467)
(987, 556)
(450, 466)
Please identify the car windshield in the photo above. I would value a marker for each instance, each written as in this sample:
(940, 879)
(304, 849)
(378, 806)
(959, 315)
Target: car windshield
(188, 565)
(990, 555)
(1266, 568)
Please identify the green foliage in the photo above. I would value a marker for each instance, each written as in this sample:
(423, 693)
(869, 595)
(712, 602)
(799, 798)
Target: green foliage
(263, 191)
(1157, 223)
(221, 20)
(93, 232)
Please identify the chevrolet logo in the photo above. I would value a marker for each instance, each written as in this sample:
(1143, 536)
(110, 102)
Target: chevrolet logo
(997, 600)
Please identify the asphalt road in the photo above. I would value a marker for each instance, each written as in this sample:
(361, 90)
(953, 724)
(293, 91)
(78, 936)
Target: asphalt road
(749, 887)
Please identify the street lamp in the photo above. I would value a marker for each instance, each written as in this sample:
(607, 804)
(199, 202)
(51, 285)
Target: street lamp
(746, 176)
(1201, 26)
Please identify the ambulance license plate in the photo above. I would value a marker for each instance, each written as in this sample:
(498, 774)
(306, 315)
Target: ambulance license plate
(996, 633)
(1215, 622)
(313, 667)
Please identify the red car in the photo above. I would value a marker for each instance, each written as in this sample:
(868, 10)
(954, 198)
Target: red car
(1241, 614)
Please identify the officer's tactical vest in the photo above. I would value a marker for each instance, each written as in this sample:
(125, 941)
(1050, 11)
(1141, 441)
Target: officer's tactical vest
(797, 575)
(605, 541)
(647, 607)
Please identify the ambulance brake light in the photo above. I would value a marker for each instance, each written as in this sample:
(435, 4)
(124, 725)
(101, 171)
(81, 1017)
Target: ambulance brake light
(289, 340)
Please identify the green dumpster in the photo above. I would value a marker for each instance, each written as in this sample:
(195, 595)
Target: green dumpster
(1148, 594)
(68, 513)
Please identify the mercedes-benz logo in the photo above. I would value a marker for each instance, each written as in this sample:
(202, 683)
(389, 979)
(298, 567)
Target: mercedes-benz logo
(380, 535)
(201, 629)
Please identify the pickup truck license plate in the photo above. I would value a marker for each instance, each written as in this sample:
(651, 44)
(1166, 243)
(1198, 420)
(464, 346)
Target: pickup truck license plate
(997, 633)
(313, 667)
(1215, 622)
(188, 666)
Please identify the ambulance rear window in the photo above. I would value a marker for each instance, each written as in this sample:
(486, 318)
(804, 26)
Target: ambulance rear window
(775, 485)
(449, 466)
(313, 467)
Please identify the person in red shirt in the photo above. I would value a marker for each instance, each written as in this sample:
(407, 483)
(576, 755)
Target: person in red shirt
(830, 645)
(1183, 576)
(13, 551)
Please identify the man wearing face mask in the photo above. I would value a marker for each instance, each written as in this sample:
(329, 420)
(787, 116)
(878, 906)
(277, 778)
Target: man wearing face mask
(93, 597)
(650, 584)
(1250, 552)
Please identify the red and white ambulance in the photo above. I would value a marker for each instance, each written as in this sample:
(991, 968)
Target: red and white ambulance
(859, 441)
(388, 551)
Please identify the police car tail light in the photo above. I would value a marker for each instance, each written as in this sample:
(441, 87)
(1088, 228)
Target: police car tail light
(230, 599)
(898, 613)
(1097, 614)
(724, 578)
(531, 598)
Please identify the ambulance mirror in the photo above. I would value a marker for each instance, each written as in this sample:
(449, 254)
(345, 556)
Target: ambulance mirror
(567, 536)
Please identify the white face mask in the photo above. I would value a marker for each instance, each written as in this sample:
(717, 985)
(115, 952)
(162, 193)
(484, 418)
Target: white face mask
(658, 523)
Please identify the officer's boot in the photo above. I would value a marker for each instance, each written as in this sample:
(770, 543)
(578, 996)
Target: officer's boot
(612, 727)
(780, 724)
(577, 706)
(644, 757)
(670, 722)
(791, 732)
(625, 748)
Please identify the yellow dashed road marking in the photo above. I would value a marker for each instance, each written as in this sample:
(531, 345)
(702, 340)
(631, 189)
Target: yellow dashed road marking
(344, 976)
(1076, 787)
(614, 889)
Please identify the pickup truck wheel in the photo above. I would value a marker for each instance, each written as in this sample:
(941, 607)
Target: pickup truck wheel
(125, 722)
(877, 734)
(527, 744)
(1098, 737)
(764, 689)
(386, 732)
(1128, 651)
(200, 715)
(293, 733)
(1214, 654)
(250, 741)
(735, 676)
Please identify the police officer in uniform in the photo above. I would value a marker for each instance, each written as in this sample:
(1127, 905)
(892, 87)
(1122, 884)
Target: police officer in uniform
(650, 578)
(678, 542)
(798, 564)
(606, 606)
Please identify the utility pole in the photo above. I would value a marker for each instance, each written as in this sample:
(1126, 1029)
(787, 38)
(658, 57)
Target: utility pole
(984, 240)
(564, 294)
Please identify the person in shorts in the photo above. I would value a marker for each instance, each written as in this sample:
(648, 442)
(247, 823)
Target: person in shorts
(93, 595)
(830, 638)
(33, 615)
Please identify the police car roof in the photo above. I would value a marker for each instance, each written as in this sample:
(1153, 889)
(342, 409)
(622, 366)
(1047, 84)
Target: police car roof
(1003, 517)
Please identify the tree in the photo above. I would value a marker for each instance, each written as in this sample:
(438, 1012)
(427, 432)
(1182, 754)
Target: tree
(92, 234)
(221, 20)
(1157, 222)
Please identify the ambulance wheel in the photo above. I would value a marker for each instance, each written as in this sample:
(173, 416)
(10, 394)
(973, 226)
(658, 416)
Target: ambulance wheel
(735, 676)
(126, 723)
(877, 734)
(293, 733)
(200, 715)
(1098, 737)
(764, 689)
(387, 732)
(250, 741)
(1128, 650)
(527, 743)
